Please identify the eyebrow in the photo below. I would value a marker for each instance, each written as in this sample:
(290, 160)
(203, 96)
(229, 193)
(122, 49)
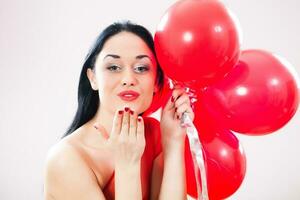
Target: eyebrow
(117, 56)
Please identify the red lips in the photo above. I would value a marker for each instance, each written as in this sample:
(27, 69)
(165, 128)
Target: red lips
(128, 95)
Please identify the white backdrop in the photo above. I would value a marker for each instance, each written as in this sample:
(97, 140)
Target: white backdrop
(42, 47)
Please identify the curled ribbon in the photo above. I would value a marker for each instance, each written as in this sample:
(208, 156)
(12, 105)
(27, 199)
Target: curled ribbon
(197, 155)
(195, 144)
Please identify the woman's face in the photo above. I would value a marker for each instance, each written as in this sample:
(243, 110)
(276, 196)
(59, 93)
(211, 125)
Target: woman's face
(125, 64)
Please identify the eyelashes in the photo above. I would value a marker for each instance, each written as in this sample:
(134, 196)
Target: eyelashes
(142, 68)
(138, 69)
(113, 68)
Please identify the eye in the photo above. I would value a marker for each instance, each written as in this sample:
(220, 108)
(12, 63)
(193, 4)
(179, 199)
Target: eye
(142, 68)
(113, 68)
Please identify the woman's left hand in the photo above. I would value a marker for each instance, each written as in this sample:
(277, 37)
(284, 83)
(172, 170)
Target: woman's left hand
(172, 113)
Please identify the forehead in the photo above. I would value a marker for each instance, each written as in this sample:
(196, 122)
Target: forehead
(126, 44)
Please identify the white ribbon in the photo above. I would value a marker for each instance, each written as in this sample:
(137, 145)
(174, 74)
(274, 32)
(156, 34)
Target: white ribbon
(197, 155)
(195, 144)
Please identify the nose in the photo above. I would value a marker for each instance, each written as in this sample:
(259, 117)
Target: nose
(129, 78)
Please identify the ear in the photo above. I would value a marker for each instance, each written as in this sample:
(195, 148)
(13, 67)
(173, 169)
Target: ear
(92, 78)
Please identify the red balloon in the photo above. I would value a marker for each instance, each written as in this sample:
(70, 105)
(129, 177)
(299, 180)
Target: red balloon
(197, 40)
(224, 157)
(259, 96)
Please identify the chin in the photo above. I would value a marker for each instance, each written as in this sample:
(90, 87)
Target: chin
(138, 106)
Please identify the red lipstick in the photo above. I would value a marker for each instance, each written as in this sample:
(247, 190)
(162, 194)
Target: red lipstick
(128, 95)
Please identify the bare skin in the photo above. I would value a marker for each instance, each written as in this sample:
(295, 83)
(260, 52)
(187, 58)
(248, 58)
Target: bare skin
(99, 161)
(117, 143)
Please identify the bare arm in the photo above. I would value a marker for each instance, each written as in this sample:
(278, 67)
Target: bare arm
(168, 173)
(128, 182)
(173, 185)
(168, 181)
(127, 141)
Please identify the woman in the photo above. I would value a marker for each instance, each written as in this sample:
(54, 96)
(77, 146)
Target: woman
(110, 151)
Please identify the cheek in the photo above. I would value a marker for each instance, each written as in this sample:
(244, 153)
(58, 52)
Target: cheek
(148, 84)
(106, 85)
(148, 89)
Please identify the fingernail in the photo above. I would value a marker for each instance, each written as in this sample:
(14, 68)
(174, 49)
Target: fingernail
(139, 119)
(121, 112)
(177, 116)
(175, 109)
(95, 126)
(172, 99)
(126, 109)
(131, 112)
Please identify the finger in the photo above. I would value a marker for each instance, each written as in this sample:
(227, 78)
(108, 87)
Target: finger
(184, 98)
(177, 92)
(179, 85)
(132, 126)
(174, 95)
(101, 130)
(184, 108)
(117, 122)
(125, 122)
(140, 132)
(170, 104)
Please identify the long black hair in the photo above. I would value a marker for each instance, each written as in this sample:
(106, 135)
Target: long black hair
(88, 99)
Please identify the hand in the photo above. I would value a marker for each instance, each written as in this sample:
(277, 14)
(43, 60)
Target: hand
(172, 114)
(127, 139)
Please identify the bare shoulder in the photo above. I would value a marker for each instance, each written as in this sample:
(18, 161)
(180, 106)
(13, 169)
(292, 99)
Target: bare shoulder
(62, 157)
(67, 175)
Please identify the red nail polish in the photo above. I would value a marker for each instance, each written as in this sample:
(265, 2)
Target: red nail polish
(175, 109)
(139, 119)
(121, 112)
(126, 109)
(177, 116)
(172, 99)
(131, 112)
